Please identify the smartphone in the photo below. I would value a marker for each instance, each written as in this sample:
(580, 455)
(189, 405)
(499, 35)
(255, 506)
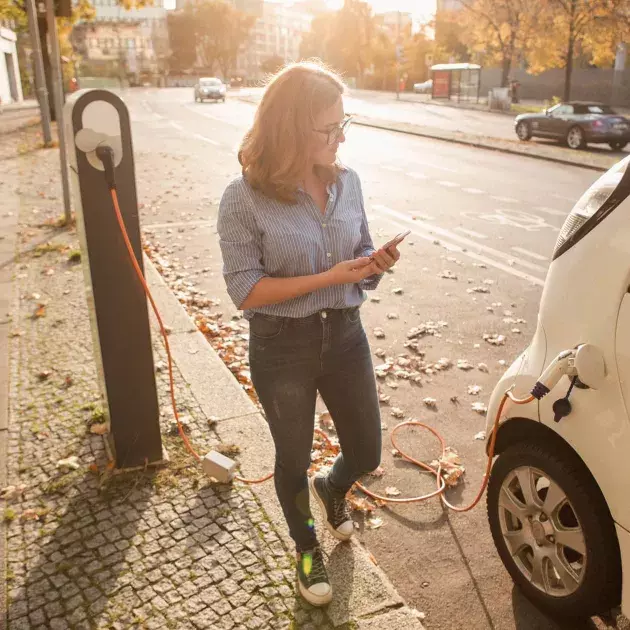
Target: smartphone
(399, 238)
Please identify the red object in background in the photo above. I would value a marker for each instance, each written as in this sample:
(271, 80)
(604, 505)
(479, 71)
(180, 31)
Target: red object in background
(441, 84)
(74, 85)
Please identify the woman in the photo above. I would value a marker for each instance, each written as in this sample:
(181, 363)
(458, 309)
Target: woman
(297, 257)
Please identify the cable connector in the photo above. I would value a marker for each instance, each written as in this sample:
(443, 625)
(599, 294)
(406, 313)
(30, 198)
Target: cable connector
(106, 155)
(562, 365)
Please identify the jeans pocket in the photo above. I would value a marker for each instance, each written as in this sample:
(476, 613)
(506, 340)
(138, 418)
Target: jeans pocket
(352, 315)
(265, 326)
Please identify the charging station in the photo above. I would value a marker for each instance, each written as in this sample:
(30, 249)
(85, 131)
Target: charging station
(117, 302)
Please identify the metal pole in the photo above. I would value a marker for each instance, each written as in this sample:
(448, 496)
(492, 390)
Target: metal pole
(57, 83)
(40, 79)
(398, 57)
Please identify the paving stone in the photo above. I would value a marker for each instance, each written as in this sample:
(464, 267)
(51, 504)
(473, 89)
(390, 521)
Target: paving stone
(205, 619)
(221, 607)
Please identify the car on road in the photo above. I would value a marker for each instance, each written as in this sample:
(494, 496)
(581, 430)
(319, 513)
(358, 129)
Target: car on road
(211, 89)
(577, 123)
(423, 88)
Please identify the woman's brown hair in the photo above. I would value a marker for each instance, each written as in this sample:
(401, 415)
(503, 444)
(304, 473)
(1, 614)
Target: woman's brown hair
(273, 152)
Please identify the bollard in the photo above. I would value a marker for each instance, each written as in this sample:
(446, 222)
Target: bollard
(116, 300)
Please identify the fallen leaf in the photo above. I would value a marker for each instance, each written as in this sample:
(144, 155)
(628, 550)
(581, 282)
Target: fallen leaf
(455, 400)
(384, 399)
(380, 353)
(379, 333)
(397, 413)
(452, 468)
(494, 340)
(70, 463)
(478, 290)
(392, 316)
(482, 367)
(397, 291)
(474, 390)
(17, 333)
(448, 275)
(11, 492)
(480, 436)
(480, 408)
(326, 421)
(93, 468)
(463, 364)
(99, 429)
(374, 522)
(49, 272)
(431, 403)
(44, 374)
(68, 382)
(375, 299)
(30, 515)
(392, 491)
(40, 311)
(378, 472)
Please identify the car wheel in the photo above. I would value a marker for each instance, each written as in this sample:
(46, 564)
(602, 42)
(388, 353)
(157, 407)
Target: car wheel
(553, 530)
(618, 146)
(575, 138)
(524, 130)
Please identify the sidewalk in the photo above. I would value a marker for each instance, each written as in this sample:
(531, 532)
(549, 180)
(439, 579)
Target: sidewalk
(85, 548)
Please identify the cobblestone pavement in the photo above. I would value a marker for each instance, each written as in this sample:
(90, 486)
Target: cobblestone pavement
(85, 548)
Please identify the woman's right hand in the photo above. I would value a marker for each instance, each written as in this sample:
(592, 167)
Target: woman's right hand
(352, 271)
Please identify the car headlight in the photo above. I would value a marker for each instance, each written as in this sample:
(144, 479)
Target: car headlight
(594, 206)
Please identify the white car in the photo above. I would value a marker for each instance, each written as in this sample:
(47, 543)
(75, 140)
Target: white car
(557, 503)
(423, 88)
(211, 89)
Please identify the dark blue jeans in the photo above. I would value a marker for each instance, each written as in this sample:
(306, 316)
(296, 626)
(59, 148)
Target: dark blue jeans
(291, 360)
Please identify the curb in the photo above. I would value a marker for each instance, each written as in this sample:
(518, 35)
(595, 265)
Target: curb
(364, 594)
(479, 142)
(471, 140)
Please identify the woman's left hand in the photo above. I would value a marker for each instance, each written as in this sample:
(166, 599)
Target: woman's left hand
(384, 259)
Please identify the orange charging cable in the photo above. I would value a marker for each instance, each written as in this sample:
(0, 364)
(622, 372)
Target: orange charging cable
(441, 484)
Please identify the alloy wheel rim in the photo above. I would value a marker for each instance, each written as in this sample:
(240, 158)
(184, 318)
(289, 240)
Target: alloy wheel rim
(575, 138)
(522, 131)
(542, 532)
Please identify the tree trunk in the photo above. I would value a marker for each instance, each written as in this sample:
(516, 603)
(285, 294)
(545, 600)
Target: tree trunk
(568, 72)
(507, 68)
(43, 40)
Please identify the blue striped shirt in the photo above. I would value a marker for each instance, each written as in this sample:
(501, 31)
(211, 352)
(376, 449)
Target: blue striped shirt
(262, 237)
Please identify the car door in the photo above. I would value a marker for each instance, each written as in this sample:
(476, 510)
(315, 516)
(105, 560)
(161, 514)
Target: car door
(560, 121)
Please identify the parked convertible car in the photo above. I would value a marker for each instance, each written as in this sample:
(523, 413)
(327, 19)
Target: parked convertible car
(577, 124)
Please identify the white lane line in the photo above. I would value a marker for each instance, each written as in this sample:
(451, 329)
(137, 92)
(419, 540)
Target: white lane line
(448, 184)
(208, 140)
(415, 175)
(504, 199)
(526, 252)
(421, 217)
(177, 126)
(551, 211)
(471, 233)
(466, 242)
(474, 191)
(436, 166)
(452, 247)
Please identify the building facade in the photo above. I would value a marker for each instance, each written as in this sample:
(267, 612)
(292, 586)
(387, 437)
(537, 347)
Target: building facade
(129, 44)
(10, 83)
(277, 33)
(449, 5)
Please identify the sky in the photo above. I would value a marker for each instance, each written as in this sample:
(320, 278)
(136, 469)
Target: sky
(422, 10)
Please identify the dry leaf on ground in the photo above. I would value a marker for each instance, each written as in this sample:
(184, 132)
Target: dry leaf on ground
(392, 491)
(374, 522)
(11, 492)
(480, 408)
(99, 429)
(69, 463)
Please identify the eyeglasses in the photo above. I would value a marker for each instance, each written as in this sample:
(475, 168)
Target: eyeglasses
(337, 131)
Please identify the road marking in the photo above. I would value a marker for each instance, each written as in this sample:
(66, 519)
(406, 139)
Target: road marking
(551, 211)
(434, 230)
(422, 217)
(452, 247)
(415, 175)
(196, 110)
(448, 184)
(208, 140)
(436, 166)
(526, 252)
(177, 126)
(474, 191)
(504, 199)
(471, 233)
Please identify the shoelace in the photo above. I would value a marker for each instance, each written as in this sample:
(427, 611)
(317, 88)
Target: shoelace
(341, 513)
(318, 570)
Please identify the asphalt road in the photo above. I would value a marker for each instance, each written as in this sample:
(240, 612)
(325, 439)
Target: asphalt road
(490, 220)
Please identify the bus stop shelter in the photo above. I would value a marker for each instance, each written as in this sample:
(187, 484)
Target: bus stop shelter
(456, 81)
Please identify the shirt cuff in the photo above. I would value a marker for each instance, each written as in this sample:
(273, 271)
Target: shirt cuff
(240, 284)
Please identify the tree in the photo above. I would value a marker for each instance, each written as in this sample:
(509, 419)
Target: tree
(589, 27)
(272, 64)
(449, 38)
(383, 56)
(315, 43)
(499, 29)
(181, 31)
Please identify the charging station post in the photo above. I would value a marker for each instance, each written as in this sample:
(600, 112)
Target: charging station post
(116, 300)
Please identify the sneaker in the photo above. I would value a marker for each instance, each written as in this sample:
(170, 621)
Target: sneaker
(334, 506)
(313, 582)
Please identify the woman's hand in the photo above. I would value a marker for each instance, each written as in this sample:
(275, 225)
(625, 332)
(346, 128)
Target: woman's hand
(352, 271)
(384, 259)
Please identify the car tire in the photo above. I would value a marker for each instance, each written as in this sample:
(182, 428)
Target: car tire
(524, 131)
(575, 138)
(618, 146)
(223, 100)
(579, 502)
